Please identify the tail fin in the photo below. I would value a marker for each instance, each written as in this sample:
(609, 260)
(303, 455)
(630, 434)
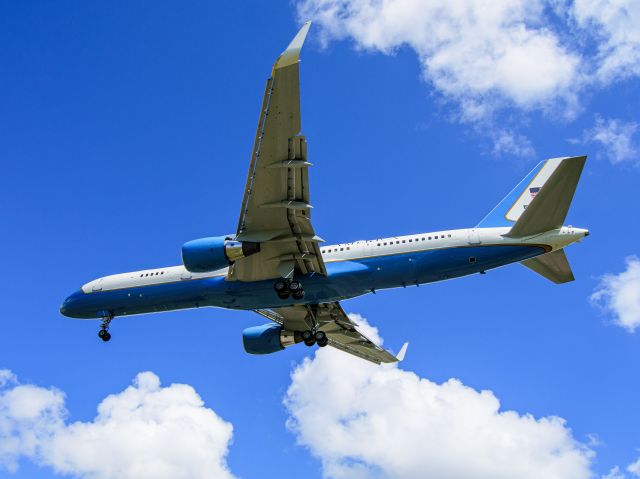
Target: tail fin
(554, 266)
(541, 200)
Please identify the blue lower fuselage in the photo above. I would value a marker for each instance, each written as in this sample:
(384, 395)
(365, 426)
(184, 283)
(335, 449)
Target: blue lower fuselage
(345, 279)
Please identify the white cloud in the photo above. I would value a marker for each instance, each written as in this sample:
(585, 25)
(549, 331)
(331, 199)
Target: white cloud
(481, 55)
(634, 468)
(617, 24)
(619, 294)
(6, 377)
(617, 140)
(511, 143)
(363, 421)
(617, 473)
(145, 431)
(505, 55)
(614, 473)
(471, 50)
(29, 415)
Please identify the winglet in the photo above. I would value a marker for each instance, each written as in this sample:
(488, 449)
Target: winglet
(403, 351)
(291, 55)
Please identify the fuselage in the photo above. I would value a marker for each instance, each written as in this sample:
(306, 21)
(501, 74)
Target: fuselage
(353, 269)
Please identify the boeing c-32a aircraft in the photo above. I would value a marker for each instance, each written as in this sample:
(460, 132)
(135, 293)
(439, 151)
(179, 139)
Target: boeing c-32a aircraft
(275, 265)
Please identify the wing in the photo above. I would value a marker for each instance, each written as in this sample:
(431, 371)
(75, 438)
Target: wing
(341, 331)
(275, 209)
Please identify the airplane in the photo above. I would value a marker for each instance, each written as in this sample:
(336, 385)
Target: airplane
(276, 265)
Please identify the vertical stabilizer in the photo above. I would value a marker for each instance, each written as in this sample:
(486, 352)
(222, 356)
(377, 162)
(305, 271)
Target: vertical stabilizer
(554, 180)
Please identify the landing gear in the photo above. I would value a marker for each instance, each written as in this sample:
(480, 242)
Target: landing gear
(308, 338)
(104, 329)
(321, 338)
(286, 288)
(282, 289)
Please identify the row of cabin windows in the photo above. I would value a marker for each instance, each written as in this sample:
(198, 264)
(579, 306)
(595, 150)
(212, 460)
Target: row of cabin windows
(151, 274)
(335, 250)
(424, 238)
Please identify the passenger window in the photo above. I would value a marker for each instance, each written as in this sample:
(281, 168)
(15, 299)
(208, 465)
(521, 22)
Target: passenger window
(449, 236)
(348, 247)
(341, 249)
(429, 238)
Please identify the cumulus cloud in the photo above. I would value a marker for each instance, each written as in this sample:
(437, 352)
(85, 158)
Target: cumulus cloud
(510, 143)
(145, 431)
(617, 139)
(489, 57)
(476, 52)
(616, 23)
(364, 421)
(617, 473)
(619, 295)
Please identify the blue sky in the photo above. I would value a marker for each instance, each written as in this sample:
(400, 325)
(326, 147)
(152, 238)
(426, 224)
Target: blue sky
(126, 129)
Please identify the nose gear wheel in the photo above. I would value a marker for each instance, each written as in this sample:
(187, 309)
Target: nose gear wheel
(104, 328)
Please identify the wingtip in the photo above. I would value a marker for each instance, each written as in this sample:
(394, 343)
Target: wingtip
(291, 55)
(403, 351)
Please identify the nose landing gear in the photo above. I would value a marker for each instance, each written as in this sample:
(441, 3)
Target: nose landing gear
(104, 329)
(286, 288)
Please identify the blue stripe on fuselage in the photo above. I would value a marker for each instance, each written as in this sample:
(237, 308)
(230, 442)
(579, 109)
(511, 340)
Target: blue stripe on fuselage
(345, 279)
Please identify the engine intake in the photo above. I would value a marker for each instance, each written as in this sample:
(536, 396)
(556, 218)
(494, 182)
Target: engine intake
(217, 252)
(268, 338)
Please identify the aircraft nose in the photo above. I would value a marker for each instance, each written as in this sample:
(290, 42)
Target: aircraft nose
(69, 306)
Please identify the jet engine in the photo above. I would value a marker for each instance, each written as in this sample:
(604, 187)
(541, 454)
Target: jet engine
(209, 254)
(268, 338)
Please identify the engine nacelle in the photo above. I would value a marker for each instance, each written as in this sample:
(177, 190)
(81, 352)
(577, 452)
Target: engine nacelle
(268, 338)
(209, 254)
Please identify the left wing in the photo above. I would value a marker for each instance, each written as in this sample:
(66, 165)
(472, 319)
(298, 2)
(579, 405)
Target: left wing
(275, 210)
(341, 331)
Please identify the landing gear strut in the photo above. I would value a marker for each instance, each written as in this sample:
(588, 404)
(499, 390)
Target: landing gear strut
(286, 287)
(104, 328)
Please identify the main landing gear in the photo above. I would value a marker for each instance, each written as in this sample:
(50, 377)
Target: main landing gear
(287, 287)
(104, 328)
(319, 337)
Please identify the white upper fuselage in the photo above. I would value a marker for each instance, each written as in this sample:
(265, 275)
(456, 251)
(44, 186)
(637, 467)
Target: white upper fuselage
(554, 239)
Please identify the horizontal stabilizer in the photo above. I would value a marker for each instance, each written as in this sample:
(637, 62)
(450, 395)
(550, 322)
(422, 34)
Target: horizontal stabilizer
(554, 266)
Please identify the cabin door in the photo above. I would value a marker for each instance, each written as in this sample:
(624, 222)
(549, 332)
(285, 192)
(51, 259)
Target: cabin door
(474, 236)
